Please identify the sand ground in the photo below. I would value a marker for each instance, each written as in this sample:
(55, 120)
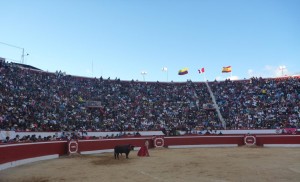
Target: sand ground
(164, 165)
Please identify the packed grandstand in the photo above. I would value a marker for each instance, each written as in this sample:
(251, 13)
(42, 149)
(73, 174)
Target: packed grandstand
(37, 101)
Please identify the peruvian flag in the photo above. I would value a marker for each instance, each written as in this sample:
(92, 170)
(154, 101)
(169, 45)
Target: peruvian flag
(201, 70)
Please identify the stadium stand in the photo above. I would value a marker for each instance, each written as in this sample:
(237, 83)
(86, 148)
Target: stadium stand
(35, 100)
(259, 103)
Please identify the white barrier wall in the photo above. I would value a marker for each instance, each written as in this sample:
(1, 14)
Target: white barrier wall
(12, 134)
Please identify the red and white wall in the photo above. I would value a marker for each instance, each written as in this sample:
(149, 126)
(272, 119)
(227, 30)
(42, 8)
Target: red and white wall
(17, 154)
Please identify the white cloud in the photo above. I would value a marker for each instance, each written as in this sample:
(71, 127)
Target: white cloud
(233, 77)
(276, 71)
(268, 71)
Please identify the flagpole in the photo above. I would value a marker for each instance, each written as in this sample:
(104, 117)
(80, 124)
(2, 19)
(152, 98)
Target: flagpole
(165, 69)
(202, 72)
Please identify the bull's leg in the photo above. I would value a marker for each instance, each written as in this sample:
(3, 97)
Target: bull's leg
(127, 155)
(116, 155)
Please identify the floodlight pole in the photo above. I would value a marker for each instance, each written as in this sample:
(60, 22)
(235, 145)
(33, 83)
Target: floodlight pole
(23, 50)
(165, 69)
(143, 73)
(167, 75)
(22, 56)
(282, 68)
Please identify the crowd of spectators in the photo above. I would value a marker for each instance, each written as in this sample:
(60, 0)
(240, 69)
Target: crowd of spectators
(40, 101)
(259, 103)
(65, 135)
(34, 100)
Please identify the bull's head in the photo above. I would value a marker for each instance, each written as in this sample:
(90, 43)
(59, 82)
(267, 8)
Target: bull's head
(131, 147)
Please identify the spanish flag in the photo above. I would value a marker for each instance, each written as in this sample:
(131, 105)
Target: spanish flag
(183, 71)
(226, 69)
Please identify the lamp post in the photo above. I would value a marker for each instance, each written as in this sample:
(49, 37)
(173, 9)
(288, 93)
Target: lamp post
(165, 69)
(23, 50)
(282, 68)
(143, 73)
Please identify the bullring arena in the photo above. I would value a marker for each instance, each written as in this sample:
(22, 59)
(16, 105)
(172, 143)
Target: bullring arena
(58, 127)
(184, 158)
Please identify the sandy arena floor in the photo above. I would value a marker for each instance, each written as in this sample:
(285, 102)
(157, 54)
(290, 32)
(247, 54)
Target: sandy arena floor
(186, 165)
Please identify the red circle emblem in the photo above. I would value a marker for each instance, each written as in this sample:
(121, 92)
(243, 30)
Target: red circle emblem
(73, 147)
(159, 142)
(250, 140)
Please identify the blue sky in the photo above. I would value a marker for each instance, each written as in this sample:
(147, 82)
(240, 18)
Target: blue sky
(122, 38)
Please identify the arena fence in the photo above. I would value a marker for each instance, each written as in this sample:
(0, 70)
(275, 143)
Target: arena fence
(12, 155)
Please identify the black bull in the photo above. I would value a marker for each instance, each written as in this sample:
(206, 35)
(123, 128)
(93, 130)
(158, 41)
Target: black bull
(119, 149)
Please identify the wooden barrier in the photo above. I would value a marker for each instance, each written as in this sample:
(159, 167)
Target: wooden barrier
(10, 154)
(213, 140)
(278, 140)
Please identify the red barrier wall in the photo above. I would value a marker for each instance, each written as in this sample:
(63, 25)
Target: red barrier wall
(14, 152)
(277, 139)
(90, 145)
(204, 140)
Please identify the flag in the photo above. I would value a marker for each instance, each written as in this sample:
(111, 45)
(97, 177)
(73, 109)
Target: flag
(164, 69)
(226, 69)
(201, 70)
(183, 71)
